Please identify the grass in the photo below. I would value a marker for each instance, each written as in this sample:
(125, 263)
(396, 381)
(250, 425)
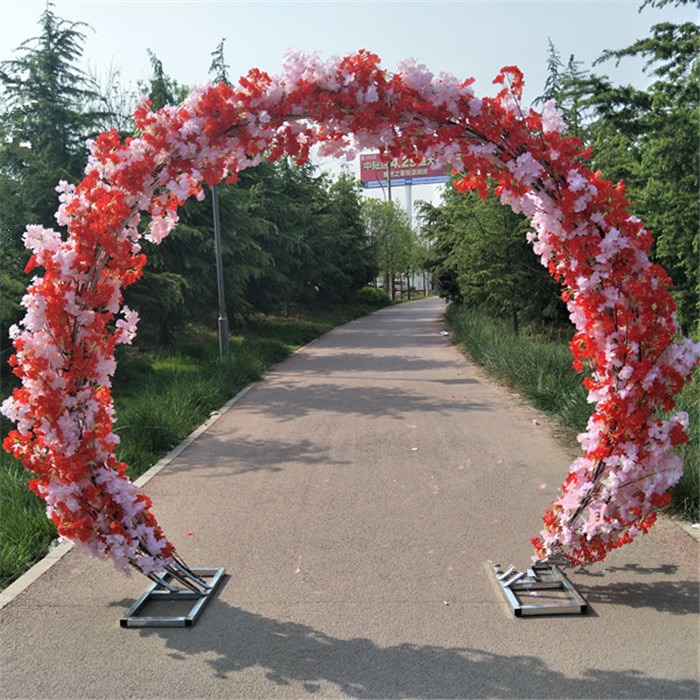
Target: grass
(160, 395)
(25, 531)
(537, 364)
(686, 493)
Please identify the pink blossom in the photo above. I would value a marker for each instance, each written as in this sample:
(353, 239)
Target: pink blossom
(525, 168)
(160, 227)
(126, 326)
(552, 118)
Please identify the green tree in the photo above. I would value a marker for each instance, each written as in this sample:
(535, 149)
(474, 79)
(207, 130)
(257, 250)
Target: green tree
(553, 86)
(319, 249)
(48, 108)
(443, 244)
(219, 68)
(295, 201)
(566, 84)
(44, 124)
(389, 230)
(650, 139)
(480, 257)
(162, 89)
(346, 257)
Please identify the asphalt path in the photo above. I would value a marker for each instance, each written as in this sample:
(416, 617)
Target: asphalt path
(358, 497)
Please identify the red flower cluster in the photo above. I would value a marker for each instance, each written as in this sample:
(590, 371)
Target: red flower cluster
(626, 329)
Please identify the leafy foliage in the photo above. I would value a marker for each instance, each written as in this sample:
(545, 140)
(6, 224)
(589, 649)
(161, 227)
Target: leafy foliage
(373, 297)
(46, 114)
(44, 124)
(390, 233)
(650, 139)
(480, 257)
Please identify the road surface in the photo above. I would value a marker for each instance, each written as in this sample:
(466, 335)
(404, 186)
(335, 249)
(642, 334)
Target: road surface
(357, 497)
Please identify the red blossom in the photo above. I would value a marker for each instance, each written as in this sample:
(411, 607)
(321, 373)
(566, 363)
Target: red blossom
(585, 236)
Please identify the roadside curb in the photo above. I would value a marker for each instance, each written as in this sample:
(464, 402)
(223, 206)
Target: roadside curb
(56, 553)
(693, 529)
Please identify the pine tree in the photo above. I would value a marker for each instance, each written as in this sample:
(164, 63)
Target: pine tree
(553, 83)
(219, 68)
(649, 139)
(44, 121)
(44, 125)
(661, 128)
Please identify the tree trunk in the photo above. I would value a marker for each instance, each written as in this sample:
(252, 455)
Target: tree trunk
(516, 322)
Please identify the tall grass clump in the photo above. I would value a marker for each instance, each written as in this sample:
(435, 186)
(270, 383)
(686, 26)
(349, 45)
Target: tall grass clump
(686, 493)
(159, 405)
(25, 531)
(538, 365)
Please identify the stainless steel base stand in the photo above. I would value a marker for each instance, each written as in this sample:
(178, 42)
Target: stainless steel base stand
(175, 599)
(541, 590)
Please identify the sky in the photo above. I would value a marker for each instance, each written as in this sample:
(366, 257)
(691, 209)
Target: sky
(467, 38)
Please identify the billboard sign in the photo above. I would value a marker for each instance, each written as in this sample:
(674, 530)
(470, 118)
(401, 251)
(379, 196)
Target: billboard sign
(373, 172)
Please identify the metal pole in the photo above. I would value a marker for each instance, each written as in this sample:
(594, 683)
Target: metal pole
(223, 319)
(389, 273)
(409, 202)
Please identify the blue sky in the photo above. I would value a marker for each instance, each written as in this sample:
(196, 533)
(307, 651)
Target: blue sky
(468, 38)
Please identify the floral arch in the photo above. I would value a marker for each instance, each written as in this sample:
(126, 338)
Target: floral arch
(583, 231)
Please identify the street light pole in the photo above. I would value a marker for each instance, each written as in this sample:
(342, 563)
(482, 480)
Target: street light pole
(388, 178)
(223, 319)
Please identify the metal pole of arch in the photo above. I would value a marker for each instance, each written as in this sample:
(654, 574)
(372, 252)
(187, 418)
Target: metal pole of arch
(223, 319)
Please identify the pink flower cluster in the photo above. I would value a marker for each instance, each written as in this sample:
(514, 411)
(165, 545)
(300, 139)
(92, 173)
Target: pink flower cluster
(626, 328)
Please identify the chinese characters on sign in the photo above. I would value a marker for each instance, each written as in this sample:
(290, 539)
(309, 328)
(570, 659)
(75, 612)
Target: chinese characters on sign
(373, 171)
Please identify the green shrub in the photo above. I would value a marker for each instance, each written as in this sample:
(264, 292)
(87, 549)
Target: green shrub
(373, 297)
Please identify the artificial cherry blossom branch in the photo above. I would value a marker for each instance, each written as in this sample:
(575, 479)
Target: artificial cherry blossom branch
(582, 230)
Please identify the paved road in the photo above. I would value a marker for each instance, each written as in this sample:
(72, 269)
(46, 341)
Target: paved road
(357, 497)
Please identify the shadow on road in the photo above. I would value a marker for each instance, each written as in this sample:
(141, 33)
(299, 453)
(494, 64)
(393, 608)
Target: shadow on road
(674, 597)
(232, 640)
(351, 362)
(288, 401)
(666, 596)
(248, 455)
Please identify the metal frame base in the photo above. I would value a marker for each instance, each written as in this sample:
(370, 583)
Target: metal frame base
(541, 590)
(163, 595)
